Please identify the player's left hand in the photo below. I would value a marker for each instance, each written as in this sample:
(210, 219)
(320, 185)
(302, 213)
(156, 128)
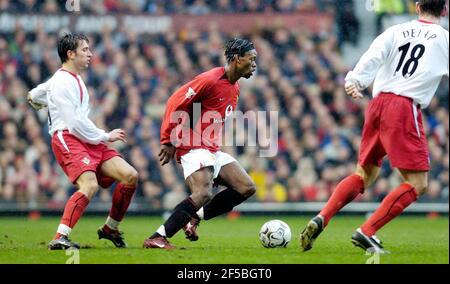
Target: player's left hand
(352, 91)
(117, 134)
(166, 154)
(33, 104)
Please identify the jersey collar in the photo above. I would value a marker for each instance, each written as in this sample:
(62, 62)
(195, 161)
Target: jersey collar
(426, 22)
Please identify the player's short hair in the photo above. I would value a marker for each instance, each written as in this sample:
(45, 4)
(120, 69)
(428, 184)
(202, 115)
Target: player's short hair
(432, 7)
(69, 42)
(237, 46)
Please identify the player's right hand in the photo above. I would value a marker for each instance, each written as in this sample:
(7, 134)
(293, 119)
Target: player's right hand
(352, 90)
(166, 154)
(117, 134)
(33, 104)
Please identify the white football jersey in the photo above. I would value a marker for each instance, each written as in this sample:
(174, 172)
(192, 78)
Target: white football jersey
(407, 59)
(67, 99)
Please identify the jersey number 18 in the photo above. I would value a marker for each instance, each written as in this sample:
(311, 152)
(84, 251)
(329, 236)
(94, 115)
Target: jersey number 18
(416, 53)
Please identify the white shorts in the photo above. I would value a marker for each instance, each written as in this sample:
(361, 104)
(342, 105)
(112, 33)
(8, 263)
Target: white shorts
(200, 158)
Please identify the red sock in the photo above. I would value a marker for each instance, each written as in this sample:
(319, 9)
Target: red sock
(392, 206)
(121, 200)
(344, 193)
(74, 210)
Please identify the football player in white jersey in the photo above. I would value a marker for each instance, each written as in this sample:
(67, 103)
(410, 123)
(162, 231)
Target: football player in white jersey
(405, 64)
(79, 146)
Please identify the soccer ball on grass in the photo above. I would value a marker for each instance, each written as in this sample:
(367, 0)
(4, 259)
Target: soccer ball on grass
(275, 233)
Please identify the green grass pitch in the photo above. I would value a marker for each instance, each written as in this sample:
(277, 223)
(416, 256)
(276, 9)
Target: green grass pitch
(224, 241)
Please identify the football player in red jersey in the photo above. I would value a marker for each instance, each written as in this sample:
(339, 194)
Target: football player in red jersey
(196, 144)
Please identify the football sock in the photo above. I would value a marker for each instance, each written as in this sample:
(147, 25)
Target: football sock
(391, 206)
(222, 202)
(161, 232)
(120, 201)
(183, 212)
(344, 193)
(72, 212)
(111, 224)
(200, 214)
(62, 230)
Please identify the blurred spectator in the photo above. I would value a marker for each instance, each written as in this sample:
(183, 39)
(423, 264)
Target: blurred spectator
(348, 24)
(272, 191)
(385, 8)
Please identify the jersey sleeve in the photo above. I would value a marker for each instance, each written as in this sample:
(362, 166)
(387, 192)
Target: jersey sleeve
(69, 107)
(39, 93)
(179, 104)
(367, 67)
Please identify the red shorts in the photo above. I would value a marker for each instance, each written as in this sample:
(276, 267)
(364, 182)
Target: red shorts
(393, 126)
(76, 157)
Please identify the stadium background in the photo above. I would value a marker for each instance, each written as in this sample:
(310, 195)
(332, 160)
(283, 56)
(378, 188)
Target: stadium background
(145, 49)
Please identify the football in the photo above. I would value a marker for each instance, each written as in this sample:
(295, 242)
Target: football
(275, 233)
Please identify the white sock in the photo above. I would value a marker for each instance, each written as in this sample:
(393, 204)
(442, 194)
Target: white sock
(63, 230)
(112, 224)
(200, 213)
(161, 230)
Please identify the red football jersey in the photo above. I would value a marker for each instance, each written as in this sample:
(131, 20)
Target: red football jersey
(196, 112)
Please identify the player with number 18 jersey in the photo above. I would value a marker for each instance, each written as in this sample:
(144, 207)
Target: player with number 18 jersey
(406, 64)
(413, 57)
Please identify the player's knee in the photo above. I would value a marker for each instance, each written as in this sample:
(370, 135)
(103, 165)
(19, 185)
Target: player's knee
(92, 187)
(367, 174)
(249, 189)
(89, 187)
(367, 180)
(131, 176)
(421, 187)
(206, 195)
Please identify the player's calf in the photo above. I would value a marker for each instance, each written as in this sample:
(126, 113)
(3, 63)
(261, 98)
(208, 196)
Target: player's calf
(248, 190)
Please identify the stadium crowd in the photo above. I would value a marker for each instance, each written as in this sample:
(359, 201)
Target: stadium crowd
(300, 74)
(194, 7)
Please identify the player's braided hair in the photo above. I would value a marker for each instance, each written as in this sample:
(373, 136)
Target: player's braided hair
(69, 42)
(237, 46)
(432, 7)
